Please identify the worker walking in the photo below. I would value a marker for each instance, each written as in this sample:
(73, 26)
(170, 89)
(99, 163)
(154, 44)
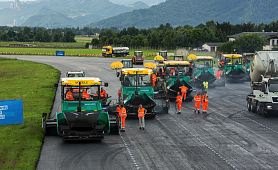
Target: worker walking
(141, 116)
(179, 103)
(183, 89)
(205, 103)
(197, 100)
(123, 116)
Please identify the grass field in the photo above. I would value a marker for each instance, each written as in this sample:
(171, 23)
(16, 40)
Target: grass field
(34, 84)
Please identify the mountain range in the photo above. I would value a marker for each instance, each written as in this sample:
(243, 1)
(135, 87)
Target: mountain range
(63, 13)
(194, 12)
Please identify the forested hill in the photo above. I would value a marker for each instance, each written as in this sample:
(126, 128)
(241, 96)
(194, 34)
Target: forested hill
(194, 12)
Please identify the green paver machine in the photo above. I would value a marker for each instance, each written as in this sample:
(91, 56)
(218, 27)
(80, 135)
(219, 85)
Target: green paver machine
(81, 118)
(136, 89)
(233, 68)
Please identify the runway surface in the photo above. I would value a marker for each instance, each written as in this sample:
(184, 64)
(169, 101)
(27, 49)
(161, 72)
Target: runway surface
(228, 138)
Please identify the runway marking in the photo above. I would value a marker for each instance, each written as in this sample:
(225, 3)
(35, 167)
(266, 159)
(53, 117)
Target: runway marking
(206, 145)
(130, 153)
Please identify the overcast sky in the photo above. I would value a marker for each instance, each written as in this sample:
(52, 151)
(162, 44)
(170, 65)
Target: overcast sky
(149, 2)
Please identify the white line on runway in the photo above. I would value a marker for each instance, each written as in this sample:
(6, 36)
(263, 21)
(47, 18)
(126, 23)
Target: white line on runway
(130, 153)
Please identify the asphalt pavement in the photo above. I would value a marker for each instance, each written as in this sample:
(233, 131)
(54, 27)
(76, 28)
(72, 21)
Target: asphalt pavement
(229, 137)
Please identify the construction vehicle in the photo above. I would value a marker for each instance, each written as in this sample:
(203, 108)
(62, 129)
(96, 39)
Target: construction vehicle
(179, 57)
(264, 83)
(164, 54)
(233, 67)
(81, 118)
(127, 63)
(203, 71)
(247, 60)
(75, 74)
(138, 58)
(177, 74)
(136, 89)
(109, 51)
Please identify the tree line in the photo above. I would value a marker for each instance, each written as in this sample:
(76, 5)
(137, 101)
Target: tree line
(169, 37)
(27, 34)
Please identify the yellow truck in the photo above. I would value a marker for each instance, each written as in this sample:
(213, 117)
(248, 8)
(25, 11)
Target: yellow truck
(109, 51)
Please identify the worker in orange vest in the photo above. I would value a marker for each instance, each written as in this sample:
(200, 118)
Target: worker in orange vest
(179, 102)
(153, 79)
(141, 116)
(69, 95)
(183, 89)
(218, 74)
(118, 110)
(123, 116)
(103, 93)
(197, 99)
(205, 103)
(85, 95)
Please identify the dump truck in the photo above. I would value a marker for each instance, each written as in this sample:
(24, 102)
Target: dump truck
(136, 89)
(176, 74)
(264, 83)
(81, 118)
(109, 51)
(138, 58)
(164, 54)
(233, 68)
(203, 71)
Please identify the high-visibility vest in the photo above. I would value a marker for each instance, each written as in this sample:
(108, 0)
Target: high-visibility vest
(123, 112)
(118, 109)
(141, 112)
(183, 89)
(85, 95)
(103, 93)
(69, 96)
(197, 98)
(205, 84)
(205, 99)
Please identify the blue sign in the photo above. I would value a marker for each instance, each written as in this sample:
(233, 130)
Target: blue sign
(60, 53)
(11, 112)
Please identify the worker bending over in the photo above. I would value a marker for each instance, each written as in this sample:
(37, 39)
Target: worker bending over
(197, 100)
(179, 103)
(141, 116)
(183, 89)
(123, 116)
(205, 103)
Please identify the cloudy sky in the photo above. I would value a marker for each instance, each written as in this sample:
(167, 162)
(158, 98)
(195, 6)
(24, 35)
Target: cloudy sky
(149, 2)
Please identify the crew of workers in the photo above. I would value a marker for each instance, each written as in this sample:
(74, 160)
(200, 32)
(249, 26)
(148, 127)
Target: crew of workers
(85, 94)
(200, 99)
(122, 114)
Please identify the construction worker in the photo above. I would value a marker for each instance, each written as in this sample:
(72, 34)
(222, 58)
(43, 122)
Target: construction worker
(205, 103)
(123, 116)
(103, 93)
(153, 79)
(197, 100)
(183, 89)
(218, 74)
(141, 116)
(69, 95)
(179, 103)
(205, 86)
(118, 110)
(85, 95)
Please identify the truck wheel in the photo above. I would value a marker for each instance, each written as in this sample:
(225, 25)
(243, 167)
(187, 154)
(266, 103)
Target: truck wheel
(249, 105)
(253, 108)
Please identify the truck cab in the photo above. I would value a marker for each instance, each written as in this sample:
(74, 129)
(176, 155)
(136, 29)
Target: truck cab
(138, 58)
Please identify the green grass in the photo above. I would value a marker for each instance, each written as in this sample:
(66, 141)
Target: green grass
(34, 84)
(83, 39)
(46, 44)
